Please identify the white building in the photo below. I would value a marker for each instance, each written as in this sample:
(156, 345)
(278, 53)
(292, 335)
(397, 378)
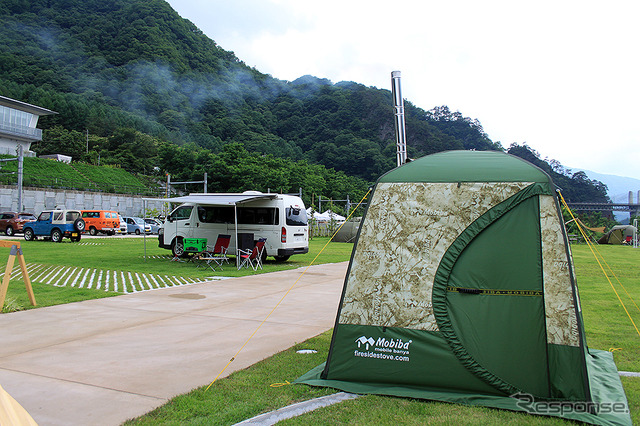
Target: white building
(18, 122)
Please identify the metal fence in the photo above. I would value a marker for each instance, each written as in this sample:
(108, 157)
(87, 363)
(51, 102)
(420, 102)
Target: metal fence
(70, 184)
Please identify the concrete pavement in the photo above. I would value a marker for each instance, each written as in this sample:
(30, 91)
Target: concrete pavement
(101, 362)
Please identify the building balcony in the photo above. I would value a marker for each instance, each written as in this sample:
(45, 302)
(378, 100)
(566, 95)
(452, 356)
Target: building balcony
(28, 134)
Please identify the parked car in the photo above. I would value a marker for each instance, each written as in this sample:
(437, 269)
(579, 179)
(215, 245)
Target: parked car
(105, 221)
(135, 225)
(122, 229)
(56, 224)
(154, 223)
(12, 222)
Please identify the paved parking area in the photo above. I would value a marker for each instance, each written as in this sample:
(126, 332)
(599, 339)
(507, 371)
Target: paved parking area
(103, 361)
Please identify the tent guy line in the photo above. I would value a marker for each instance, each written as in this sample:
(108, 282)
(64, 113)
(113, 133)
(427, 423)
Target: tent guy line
(594, 251)
(285, 294)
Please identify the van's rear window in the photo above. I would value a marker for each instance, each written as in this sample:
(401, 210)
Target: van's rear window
(296, 216)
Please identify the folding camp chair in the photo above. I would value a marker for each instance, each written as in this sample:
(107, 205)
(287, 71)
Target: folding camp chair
(217, 254)
(253, 257)
(221, 247)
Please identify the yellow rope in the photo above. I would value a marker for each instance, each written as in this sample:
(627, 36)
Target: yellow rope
(617, 279)
(285, 295)
(564, 203)
(594, 248)
(279, 385)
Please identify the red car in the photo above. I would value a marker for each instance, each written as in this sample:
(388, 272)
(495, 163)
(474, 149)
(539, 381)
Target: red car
(12, 222)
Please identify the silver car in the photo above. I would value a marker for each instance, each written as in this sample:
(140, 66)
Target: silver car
(135, 225)
(154, 223)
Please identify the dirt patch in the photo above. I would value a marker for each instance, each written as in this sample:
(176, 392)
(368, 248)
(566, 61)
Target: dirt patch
(192, 296)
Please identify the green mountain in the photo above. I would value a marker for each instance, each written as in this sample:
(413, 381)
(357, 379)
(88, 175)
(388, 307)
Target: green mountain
(156, 95)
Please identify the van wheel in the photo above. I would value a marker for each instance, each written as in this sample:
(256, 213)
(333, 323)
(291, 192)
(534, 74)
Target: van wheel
(9, 231)
(282, 258)
(177, 248)
(93, 231)
(56, 236)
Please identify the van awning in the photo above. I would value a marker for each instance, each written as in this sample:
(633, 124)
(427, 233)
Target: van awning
(213, 200)
(216, 199)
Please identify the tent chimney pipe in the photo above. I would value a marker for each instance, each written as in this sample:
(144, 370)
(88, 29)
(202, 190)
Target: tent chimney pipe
(398, 112)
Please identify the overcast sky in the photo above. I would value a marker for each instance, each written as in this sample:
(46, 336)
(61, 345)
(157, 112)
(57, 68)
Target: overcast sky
(561, 76)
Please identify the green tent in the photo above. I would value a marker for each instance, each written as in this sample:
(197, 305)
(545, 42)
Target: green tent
(461, 288)
(619, 234)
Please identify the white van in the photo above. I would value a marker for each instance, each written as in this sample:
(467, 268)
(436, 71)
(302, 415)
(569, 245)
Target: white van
(280, 218)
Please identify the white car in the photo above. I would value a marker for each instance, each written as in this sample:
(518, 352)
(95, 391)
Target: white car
(122, 229)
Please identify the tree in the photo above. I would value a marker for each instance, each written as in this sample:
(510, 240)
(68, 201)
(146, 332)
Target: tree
(132, 150)
(575, 188)
(58, 140)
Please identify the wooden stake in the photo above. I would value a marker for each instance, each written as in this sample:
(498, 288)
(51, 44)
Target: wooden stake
(15, 251)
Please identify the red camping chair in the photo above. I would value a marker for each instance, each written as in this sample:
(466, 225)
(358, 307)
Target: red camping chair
(218, 254)
(221, 247)
(253, 257)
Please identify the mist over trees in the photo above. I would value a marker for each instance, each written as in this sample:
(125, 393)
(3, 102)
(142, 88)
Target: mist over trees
(155, 95)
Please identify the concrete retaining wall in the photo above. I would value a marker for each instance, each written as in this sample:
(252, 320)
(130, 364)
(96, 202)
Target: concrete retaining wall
(35, 200)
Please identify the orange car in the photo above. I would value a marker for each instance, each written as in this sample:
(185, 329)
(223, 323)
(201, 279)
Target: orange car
(105, 221)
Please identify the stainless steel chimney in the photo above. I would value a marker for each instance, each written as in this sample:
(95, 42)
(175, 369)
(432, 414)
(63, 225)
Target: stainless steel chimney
(398, 112)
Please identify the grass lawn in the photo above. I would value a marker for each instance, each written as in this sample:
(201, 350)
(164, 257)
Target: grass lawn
(127, 255)
(249, 392)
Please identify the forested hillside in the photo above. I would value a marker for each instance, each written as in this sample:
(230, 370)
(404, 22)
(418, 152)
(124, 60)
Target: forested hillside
(576, 187)
(156, 95)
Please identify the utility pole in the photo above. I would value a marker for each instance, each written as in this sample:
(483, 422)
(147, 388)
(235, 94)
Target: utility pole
(169, 183)
(19, 159)
(20, 172)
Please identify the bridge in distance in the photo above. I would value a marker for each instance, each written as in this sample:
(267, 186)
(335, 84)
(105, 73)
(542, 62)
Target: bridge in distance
(632, 208)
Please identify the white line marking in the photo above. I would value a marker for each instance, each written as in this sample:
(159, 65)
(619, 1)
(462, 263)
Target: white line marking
(73, 284)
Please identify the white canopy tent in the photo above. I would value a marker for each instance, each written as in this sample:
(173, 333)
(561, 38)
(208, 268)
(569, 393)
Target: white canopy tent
(327, 216)
(334, 216)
